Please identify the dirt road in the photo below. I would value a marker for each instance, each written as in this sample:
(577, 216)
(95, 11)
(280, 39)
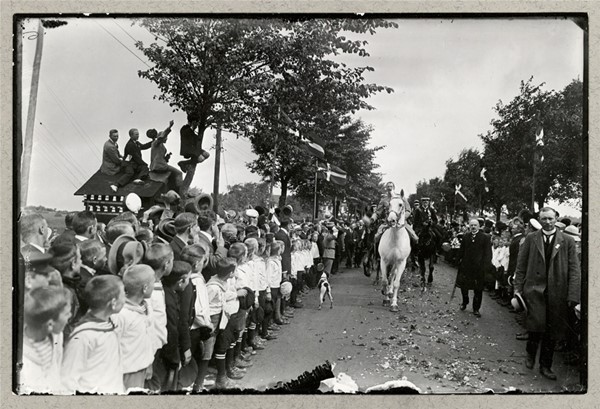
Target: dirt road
(430, 341)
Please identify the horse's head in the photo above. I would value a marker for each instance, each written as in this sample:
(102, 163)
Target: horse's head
(397, 211)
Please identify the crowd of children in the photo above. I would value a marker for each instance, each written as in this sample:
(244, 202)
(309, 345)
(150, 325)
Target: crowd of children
(181, 304)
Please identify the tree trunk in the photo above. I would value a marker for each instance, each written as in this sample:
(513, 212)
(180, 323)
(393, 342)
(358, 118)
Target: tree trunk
(283, 197)
(498, 210)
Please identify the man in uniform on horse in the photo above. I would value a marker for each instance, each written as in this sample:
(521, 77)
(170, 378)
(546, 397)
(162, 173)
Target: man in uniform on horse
(383, 209)
(425, 217)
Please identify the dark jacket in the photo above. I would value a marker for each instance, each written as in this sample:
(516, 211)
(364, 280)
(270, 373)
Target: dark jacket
(177, 245)
(547, 287)
(190, 141)
(513, 250)
(475, 255)
(286, 255)
(421, 216)
(170, 351)
(135, 148)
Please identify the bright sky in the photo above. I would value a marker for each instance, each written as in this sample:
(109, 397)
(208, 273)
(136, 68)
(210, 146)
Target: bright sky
(447, 76)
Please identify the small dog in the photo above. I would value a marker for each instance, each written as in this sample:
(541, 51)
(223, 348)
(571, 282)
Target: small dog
(325, 289)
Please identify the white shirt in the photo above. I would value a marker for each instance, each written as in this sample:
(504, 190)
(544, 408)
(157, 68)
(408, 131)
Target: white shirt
(201, 305)
(260, 269)
(159, 316)
(137, 336)
(274, 273)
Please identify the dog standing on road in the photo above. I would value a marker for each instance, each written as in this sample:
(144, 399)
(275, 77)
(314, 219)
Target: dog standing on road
(325, 289)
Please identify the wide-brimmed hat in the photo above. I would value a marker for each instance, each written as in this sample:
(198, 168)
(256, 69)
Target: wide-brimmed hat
(285, 289)
(199, 203)
(166, 229)
(123, 249)
(171, 197)
(535, 224)
(573, 232)
(251, 213)
(518, 303)
(261, 210)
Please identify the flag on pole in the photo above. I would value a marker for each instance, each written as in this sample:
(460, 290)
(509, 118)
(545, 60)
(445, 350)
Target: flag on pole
(332, 173)
(482, 174)
(458, 192)
(314, 145)
(539, 137)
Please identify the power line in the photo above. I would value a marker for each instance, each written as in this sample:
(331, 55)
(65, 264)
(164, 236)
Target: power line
(124, 46)
(50, 159)
(90, 144)
(64, 171)
(125, 31)
(80, 177)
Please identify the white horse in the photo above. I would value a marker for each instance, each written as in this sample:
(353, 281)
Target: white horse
(394, 249)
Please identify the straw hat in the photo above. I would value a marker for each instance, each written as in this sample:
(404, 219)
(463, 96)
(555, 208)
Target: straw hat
(123, 250)
(573, 232)
(518, 303)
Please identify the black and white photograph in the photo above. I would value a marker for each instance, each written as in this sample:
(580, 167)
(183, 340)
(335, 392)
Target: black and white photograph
(300, 204)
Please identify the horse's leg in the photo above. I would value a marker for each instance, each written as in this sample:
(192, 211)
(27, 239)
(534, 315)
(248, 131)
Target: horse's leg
(384, 282)
(397, 276)
(431, 268)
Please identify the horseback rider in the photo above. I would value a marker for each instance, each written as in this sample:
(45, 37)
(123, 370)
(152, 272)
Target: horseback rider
(383, 209)
(424, 217)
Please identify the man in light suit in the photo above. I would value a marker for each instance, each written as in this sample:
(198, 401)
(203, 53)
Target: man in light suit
(548, 277)
(111, 158)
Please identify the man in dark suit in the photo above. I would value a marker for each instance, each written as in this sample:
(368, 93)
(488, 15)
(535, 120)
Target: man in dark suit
(475, 256)
(184, 225)
(135, 167)
(68, 235)
(209, 238)
(191, 149)
(111, 158)
(548, 278)
(286, 256)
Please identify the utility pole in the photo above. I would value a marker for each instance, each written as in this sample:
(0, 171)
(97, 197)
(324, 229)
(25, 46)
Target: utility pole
(28, 141)
(315, 208)
(273, 160)
(217, 170)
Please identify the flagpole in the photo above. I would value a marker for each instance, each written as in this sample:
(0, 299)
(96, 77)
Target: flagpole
(315, 211)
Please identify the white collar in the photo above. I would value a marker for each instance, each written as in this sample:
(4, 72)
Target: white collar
(80, 238)
(43, 250)
(208, 236)
(550, 233)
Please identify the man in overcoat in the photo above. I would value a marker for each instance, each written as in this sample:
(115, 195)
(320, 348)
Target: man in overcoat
(475, 256)
(548, 277)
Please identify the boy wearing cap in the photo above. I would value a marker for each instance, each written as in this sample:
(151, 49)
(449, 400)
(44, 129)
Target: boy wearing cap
(46, 312)
(136, 341)
(92, 357)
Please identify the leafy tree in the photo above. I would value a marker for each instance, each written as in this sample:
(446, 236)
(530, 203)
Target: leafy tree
(242, 195)
(465, 171)
(510, 149)
(316, 95)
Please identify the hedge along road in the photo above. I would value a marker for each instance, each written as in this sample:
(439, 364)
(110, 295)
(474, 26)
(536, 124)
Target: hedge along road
(429, 341)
